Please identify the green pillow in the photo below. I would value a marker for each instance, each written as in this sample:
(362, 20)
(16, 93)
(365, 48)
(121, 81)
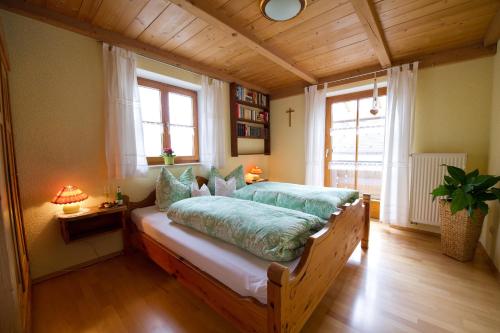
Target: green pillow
(170, 190)
(236, 173)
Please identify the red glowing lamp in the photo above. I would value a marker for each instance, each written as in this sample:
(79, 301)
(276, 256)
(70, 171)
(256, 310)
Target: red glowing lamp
(69, 196)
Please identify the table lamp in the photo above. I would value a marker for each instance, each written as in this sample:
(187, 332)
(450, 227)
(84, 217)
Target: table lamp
(256, 172)
(70, 196)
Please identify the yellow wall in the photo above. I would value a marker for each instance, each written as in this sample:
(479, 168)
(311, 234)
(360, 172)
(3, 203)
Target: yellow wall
(57, 102)
(490, 236)
(452, 114)
(453, 109)
(287, 143)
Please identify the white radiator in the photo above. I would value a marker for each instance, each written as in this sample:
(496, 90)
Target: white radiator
(426, 174)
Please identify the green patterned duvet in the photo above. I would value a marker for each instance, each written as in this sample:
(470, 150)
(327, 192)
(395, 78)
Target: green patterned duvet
(319, 201)
(272, 233)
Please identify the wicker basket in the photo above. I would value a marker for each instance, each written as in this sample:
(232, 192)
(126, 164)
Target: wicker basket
(459, 233)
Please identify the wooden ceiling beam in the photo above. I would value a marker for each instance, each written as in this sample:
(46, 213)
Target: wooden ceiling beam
(493, 33)
(425, 61)
(367, 16)
(114, 38)
(203, 10)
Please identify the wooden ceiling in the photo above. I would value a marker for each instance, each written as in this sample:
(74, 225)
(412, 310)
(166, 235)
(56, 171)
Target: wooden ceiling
(230, 39)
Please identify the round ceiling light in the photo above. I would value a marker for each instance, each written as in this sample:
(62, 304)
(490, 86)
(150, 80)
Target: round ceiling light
(282, 10)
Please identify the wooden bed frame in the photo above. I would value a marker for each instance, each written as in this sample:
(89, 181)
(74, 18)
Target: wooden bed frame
(293, 295)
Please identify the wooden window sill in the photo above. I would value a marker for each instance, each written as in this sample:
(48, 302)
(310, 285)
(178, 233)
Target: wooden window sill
(174, 165)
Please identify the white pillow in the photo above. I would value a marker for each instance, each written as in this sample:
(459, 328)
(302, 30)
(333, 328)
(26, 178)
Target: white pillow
(199, 192)
(225, 188)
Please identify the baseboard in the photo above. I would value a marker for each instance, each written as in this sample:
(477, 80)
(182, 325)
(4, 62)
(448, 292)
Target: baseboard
(76, 267)
(418, 231)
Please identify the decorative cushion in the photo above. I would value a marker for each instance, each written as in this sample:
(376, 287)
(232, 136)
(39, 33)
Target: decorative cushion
(170, 190)
(199, 192)
(225, 188)
(187, 177)
(236, 173)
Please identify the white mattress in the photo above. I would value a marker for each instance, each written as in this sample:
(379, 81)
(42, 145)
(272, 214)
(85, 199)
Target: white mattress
(239, 270)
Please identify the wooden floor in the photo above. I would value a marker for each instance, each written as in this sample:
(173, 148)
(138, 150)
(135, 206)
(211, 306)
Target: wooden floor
(402, 284)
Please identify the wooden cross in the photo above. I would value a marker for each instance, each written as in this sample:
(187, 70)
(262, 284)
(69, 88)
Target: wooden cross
(289, 111)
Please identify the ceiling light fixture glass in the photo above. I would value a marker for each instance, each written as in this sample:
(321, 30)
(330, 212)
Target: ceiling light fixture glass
(282, 10)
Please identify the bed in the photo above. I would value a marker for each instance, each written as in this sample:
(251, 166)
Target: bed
(255, 295)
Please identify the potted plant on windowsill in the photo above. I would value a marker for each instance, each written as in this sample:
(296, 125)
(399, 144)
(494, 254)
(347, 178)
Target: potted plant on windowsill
(168, 156)
(462, 208)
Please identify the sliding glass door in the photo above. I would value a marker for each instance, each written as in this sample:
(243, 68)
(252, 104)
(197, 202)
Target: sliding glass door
(354, 142)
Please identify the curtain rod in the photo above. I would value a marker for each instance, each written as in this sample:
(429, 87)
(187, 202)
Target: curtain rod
(359, 75)
(353, 77)
(156, 60)
(195, 73)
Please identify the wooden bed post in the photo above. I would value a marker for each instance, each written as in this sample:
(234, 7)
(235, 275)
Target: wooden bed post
(366, 228)
(277, 285)
(292, 296)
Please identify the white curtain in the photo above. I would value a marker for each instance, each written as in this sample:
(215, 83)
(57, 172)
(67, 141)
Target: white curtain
(395, 197)
(125, 155)
(315, 134)
(213, 104)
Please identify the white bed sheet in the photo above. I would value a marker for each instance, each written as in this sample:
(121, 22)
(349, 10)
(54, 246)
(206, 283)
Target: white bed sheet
(239, 270)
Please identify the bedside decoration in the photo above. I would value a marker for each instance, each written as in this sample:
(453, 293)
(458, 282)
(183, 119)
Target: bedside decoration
(256, 172)
(70, 196)
(249, 178)
(119, 196)
(462, 210)
(289, 111)
(108, 204)
(168, 156)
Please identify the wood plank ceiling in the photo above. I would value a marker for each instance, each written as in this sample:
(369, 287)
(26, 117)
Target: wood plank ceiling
(329, 38)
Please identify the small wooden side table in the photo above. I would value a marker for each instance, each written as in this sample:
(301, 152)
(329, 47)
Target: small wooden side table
(258, 181)
(92, 221)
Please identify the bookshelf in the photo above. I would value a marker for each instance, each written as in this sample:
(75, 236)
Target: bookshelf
(250, 118)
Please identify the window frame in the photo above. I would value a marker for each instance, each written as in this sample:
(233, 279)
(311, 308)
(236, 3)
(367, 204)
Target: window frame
(165, 119)
(355, 96)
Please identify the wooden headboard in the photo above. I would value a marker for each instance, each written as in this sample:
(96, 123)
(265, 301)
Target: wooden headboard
(150, 199)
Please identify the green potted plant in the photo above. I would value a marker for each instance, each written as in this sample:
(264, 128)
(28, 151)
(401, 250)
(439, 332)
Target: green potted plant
(168, 156)
(462, 208)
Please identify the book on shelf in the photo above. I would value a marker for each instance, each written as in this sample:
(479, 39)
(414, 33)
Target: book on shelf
(251, 131)
(249, 113)
(250, 96)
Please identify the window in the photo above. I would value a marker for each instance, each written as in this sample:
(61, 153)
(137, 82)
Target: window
(355, 138)
(169, 119)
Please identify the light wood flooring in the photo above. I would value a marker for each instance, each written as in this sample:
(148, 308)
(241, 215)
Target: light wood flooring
(401, 284)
